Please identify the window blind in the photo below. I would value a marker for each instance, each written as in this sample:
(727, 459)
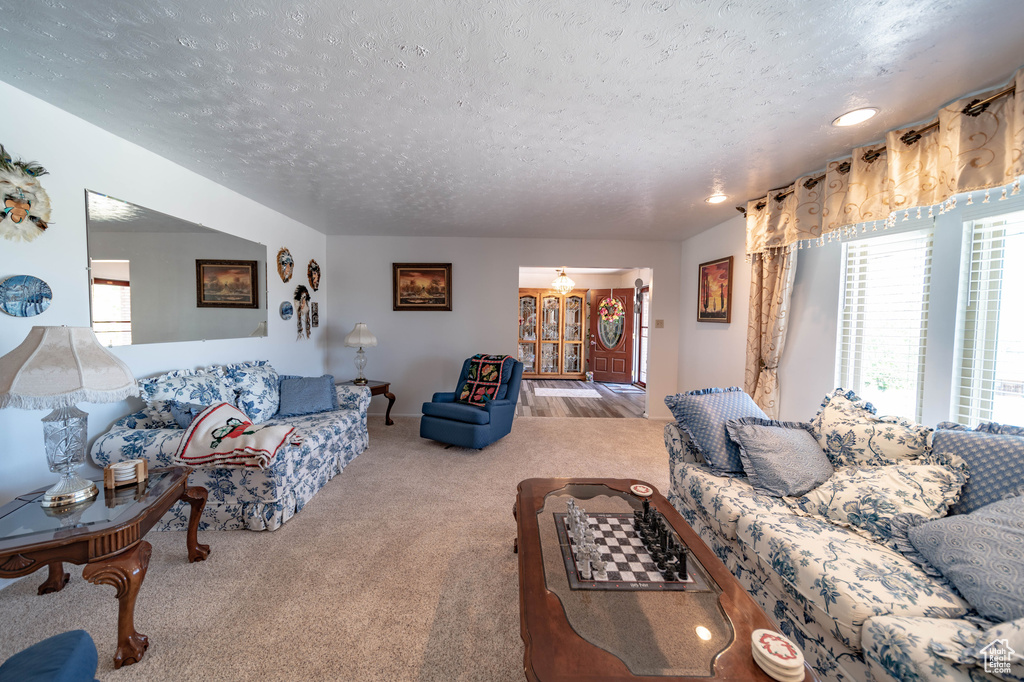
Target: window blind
(989, 382)
(884, 320)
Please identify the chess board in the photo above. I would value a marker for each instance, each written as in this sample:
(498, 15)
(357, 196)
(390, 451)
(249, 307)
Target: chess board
(630, 566)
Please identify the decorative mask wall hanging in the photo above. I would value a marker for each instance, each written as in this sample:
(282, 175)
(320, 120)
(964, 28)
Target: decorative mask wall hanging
(301, 310)
(313, 272)
(285, 264)
(26, 206)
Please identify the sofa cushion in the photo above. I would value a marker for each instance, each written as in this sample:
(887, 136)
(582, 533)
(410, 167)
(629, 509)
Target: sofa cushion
(470, 414)
(307, 395)
(844, 577)
(850, 433)
(723, 499)
(703, 414)
(898, 649)
(995, 460)
(257, 387)
(982, 553)
(869, 497)
(202, 387)
(779, 458)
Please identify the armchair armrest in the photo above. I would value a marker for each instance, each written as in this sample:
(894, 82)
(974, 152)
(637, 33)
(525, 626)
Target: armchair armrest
(443, 398)
(498, 404)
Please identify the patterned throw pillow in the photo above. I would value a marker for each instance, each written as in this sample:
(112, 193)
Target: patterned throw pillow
(868, 497)
(256, 384)
(484, 379)
(779, 458)
(850, 434)
(199, 386)
(702, 415)
(982, 553)
(996, 462)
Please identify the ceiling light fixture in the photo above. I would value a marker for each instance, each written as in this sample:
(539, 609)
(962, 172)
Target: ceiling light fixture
(716, 198)
(562, 283)
(855, 117)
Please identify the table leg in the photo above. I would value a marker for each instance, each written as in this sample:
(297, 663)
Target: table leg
(391, 401)
(56, 580)
(196, 497)
(125, 573)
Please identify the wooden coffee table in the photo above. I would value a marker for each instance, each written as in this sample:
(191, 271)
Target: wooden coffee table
(633, 634)
(104, 533)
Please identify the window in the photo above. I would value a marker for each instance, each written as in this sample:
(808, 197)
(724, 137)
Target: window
(884, 319)
(989, 380)
(112, 312)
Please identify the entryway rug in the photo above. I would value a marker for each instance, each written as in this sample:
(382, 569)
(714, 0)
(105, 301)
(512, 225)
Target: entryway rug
(624, 388)
(566, 393)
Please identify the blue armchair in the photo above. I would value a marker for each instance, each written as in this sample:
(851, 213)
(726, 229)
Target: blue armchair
(469, 426)
(67, 657)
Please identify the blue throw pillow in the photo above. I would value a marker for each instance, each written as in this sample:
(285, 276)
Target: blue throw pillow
(702, 415)
(982, 553)
(307, 395)
(995, 462)
(184, 413)
(780, 458)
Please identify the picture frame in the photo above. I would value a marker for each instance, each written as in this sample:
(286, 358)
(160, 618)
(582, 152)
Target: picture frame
(421, 286)
(714, 291)
(227, 284)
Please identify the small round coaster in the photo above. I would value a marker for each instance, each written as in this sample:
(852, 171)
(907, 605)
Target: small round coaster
(641, 490)
(775, 648)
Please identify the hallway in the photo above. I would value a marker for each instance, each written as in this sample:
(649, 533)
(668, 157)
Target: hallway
(615, 401)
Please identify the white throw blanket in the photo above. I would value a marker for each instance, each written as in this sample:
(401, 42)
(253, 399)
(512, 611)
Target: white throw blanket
(222, 435)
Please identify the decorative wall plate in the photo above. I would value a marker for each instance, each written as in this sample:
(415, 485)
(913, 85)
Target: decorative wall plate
(24, 296)
(313, 272)
(285, 264)
(287, 310)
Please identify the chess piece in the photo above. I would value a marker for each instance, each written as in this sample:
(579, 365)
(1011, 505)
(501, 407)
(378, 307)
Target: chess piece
(681, 564)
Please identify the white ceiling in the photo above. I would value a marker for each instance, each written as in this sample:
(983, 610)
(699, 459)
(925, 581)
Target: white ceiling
(612, 118)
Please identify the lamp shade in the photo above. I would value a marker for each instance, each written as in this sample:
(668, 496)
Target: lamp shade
(563, 284)
(360, 337)
(60, 366)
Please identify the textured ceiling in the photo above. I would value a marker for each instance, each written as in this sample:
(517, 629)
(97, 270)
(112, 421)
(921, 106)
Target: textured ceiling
(612, 118)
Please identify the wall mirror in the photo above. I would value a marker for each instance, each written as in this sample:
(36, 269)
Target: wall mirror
(155, 278)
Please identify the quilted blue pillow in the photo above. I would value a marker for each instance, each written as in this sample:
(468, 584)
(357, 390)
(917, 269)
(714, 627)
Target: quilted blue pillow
(703, 414)
(307, 395)
(982, 553)
(995, 462)
(780, 458)
(257, 387)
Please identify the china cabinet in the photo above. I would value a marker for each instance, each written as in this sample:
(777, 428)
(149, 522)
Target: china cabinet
(551, 332)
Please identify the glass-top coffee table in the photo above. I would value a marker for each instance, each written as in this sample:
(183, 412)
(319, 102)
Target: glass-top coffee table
(105, 534)
(633, 623)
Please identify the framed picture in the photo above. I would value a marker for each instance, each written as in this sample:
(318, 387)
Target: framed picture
(714, 291)
(227, 284)
(422, 286)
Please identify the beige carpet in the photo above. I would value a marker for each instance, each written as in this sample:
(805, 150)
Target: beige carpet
(401, 568)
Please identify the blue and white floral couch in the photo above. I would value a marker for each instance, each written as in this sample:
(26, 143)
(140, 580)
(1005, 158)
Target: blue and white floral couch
(859, 608)
(241, 497)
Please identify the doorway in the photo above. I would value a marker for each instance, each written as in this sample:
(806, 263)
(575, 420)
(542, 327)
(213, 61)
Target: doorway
(583, 349)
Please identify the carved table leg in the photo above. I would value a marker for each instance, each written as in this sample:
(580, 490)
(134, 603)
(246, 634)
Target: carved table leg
(391, 401)
(125, 573)
(56, 580)
(196, 497)
(515, 515)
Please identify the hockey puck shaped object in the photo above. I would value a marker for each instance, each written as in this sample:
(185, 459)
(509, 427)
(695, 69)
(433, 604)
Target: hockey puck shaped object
(641, 490)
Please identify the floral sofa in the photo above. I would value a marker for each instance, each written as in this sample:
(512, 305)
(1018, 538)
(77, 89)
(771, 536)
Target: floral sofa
(859, 609)
(242, 497)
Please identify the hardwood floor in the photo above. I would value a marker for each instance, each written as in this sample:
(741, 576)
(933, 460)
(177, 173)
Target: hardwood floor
(610, 404)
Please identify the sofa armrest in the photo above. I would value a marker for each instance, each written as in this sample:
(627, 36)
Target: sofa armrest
(139, 420)
(353, 398)
(156, 446)
(680, 447)
(443, 398)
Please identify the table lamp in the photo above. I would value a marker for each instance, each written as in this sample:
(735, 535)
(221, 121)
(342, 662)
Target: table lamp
(56, 367)
(360, 337)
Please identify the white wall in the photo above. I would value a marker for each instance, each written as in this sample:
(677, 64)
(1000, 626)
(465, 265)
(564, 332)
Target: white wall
(79, 156)
(422, 352)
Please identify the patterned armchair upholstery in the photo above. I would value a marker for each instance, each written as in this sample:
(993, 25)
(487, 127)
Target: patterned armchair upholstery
(469, 426)
(243, 497)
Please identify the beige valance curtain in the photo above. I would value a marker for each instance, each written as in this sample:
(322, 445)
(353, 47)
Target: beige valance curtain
(965, 152)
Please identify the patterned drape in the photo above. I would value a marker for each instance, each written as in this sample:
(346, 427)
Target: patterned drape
(771, 288)
(965, 152)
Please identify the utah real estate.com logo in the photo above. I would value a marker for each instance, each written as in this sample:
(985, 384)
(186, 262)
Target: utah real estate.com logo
(998, 655)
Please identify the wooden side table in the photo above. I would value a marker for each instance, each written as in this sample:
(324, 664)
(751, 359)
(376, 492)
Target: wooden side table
(377, 388)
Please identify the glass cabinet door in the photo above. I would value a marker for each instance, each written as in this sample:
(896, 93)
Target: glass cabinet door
(551, 312)
(573, 319)
(571, 362)
(527, 356)
(548, 358)
(528, 318)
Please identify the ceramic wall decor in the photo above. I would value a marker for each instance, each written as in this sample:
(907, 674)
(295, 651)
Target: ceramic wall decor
(313, 272)
(24, 296)
(25, 213)
(302, 310)
(287, 310)
(315, 314)
(285, 264)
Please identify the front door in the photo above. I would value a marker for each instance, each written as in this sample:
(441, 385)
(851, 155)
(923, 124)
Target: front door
(611, 335)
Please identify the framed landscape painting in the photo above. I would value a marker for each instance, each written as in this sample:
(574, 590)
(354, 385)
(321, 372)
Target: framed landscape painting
(227, 284)
(714, 291)
(422, 286)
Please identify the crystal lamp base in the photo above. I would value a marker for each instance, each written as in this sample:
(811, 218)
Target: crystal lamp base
(70, 489)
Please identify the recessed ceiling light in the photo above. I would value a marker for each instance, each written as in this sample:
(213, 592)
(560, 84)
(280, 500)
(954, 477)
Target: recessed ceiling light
(716, 198)
(852, 118)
